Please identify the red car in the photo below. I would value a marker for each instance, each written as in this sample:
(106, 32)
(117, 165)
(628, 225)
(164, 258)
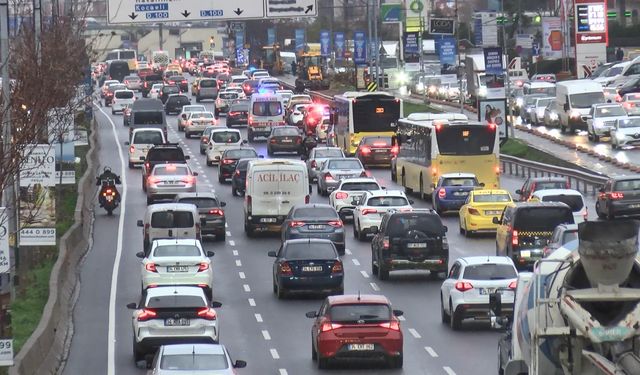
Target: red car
(356, 327)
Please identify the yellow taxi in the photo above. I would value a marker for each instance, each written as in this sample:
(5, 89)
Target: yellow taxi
(477, 214)
(174, 67)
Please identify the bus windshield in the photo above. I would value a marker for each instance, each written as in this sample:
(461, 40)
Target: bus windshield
(375, 114)
(466, 140)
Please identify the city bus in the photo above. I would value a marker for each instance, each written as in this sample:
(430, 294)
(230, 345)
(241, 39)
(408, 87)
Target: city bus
(361, 114)
(129, 55)
(431, 145)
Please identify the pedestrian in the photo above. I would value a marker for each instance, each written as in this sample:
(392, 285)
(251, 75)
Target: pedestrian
(619, 54)
(294, 67)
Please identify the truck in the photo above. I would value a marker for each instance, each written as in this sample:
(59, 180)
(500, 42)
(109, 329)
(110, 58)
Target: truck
(578, 312)
(160, 60)
(476, 76)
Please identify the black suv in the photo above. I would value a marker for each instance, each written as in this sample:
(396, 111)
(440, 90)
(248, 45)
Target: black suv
(175, 102)
(229, 160)
(162, 154)
(167, 90)
(148, 81)
(413, 239)
(619, 196)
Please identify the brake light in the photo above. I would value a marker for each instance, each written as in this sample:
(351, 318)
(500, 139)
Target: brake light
(337, 267)
(216, 211)
(207, 313)
(203, 266)
(329, 326)
(153, 180)
(434, 171)
(385, 243)
(365, 150)
(184, 81)
(395, 150)
(249, 201)
(616, 195)
(272, 141)
(328, 177)
(151, 267)
(237, 173)
(442, 193)
(342, 195)
(296, 224)
(514, 238)
(365, 174)
(336, 223)
(234, 113)
(393, 325)
(285, 269)
(463, 286)
(228, 161)
(298, 140)
(473, 211)
(146, 314)
(250, 122)
(513, 284)
(367, 211)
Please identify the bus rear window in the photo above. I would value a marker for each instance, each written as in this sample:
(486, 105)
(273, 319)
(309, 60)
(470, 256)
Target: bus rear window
(147, 118)
(375, 115)
(466, 140)
(127, 55)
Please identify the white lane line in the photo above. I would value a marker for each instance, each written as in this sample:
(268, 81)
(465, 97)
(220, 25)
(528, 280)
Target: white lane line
(226, 225)
(402, 318)
(228, 234)
(355, 261)
(252, 302)
(375, 287)
(431, 351)
(283, 371)
(235, 253)
(364, 274)
(414, 333)
(266, 335)
(274, 353)
(347, 251)
(242, 275)
(247, 288)
(238, 263)
(232, 242)
(258, 318)
(449, 371)
(111, 338)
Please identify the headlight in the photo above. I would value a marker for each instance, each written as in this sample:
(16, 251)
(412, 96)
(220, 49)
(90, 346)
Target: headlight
(442, 90)
(519, 102)
(402, 77)
(574, 114)
(482, 91)
(529, 109)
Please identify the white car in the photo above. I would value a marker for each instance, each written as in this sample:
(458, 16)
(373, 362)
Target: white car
(626, 132)
(121, 99)
(177, 262)
(184, 114)
(167, 314)
(570, 197)
(297, 114)
(197, 122)
(285, 95)
(317, 156)
(602, 118)
(220, 140)
(465, 292)
(142, 139)
(105, 86)
(349, 189)
(155, 90)
(372, 207)
(238, 90)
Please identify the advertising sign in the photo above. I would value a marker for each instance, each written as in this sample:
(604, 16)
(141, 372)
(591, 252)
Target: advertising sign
(391, 13)
(493, 60)
(239, 39)
(441, 26)
(65, 163)
(300, 39)
(339, 46)
(591, 35)
(325, 40)
(5, 266)
(6, 352)
(39, 166)
(446, 48)
(411, 43)
(494, 112)
(359, 48)
(486, 26)
(552, 37)
(37, 216)
(271, 36)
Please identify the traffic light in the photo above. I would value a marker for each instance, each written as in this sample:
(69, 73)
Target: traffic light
(537, 19)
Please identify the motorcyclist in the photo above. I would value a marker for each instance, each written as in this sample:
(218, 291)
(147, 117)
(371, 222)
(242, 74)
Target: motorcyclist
(308, 144)
(108, 179)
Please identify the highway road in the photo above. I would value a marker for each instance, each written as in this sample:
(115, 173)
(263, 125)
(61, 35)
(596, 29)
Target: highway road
(273, 336)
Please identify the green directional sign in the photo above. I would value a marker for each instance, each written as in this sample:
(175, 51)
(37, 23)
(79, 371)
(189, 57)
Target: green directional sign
(391, 13)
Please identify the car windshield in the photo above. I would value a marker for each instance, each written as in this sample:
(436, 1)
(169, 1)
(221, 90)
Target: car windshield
(399, 225)
(627, 185)
(170, 89)
(610, 111)
(574, 201)
(542, 219)
(148, 137)
(225, 137)
(489, 272)
(239, 108)
(546, 185)
(124, 94)
(314, 212)
(200, 202)
(193, 108)
(267, 108)
(172, 219)
(361, 312)
(177, 251)
(208, 83)
(175, 301)
(387, 201)
(614, 71)
(378, 141)
(309, 250)
(569, 236)
(197, 115)
(492, 198)
(459, 181)
(360, 186)
(631, 122)
(166, 154)
(286, 131)
(530, 99)
(228, 95)
(192, 362)
(544, 102)
(170, 170)
(238, 154)
(344, 164)
(331, 153)
(176, 78)
(586, 100)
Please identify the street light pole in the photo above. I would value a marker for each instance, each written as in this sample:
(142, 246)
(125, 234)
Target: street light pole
(460, 93)
(506, 71)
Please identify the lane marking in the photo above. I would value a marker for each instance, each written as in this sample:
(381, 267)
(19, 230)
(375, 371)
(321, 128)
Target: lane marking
(252, 302)
(449, 371)
(238, 263)
(375, 287)
(355, 261)
(414, 333)
(111, 338)
(347, 251)
(431, 351)
(266, 335)
(232, 242)
(283, 371)
(235, 253)
(229, 234)
(247, 288)
(226, 225)
(258, 318)
(402, 318)
(364, 274)
(274, 353)
(242, 275)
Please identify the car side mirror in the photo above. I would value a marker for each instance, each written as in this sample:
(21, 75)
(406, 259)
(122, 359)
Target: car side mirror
(195, 173)
(272, 254)
(495, 303)
(142, 158)
(495, 220)
(140, 223)
(383, 187)
(203, 221)
(140, 254)
(132, 306)
(223, 204)
(566, 106)
(126, 143)
(261, 156)
(187, 157)
(398, 312)
(519, 192)
(184, 117)
(481, 184)
(210, 253)
(239, 364)
(311, 314)
(216, 304)
(445, 228)
(410, 201)
(303, 157)
(374, 229)
(244, 141)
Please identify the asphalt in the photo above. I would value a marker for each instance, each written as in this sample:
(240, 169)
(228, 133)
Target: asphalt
(273, 336)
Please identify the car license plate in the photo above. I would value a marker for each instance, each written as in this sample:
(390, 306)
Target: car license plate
(417, 245)
(361, 347)
(460, 193)
(180, 322)
(634, 206)
(316, 227)
(382, 150)
(109, 198)
(493, 212)
(177, 269)
(486, 291)
(287, 141)
(312, 269)
(268, 220)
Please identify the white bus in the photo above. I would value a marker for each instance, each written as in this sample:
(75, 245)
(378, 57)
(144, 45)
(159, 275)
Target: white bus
(129, 55)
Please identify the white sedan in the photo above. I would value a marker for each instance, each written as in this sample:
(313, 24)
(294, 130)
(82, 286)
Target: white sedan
(465, 292)
(372, 207)
(177, 262)
(349, 189)
(155, 90)
(238, 90)
(626, 132)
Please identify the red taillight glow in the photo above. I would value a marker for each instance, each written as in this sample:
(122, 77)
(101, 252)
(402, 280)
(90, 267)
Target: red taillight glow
(617, 195)
(336, 223)
(150, 267)
(146, 314)
(207, 313)
(285, 269)
(237, 173)
(395, 150)
(296, 224)
(473, 211)
(307, 199)
(513, 284)
(342, 195)
(314, 165)
(365, 150)
(328, 177)
(329, 327)
(367, 211)
(132, 149)
(188, 179)
(393, 325)
(337, 267)
(463, 286)
(228, 161)
(442, 193)
(385, 243)
(514, 238)
(216, 211)
(203, 266)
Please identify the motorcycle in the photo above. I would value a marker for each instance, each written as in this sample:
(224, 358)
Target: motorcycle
(109, 196)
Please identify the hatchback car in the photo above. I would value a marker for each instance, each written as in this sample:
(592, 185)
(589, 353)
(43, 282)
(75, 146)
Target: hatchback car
(335, 169)
(197, 122)
(170, 315)
(229, 159)
(111, 90)
(376, 150)
(221, 140)
(284, 139)
(602, 118)
(142, 140)
(250, 86)
(319, 155)
(211, 209)
(465, 292)
(179, 81)
(183, 116)
(533, 184)
(296, 115)
(207, 89)
(167, 180)
(311, 265)
(176, 262)
(619, 196)
(175, 102)
(350, 189)
(357, 326)
(451, 190)
(239, 178)
(314, 220)
(238, 114)
(154, 92)
(121, 99)
(182, 359)
(372, 206)
(223, 102)
(570, 197)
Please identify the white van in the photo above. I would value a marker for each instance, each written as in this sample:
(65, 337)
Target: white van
(221, 140)
(574, 100)
(170, 220)
(265, 112)
(570, 197)
(272, 188)
(539, 87)
(142, 139)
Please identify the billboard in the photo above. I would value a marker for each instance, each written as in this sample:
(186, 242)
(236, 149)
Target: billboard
(339, 46)
(325, 40)
(300, 39)
(446, 48)
(37, 203)
(39, 166)
(591, 26)
(552, 38)
(359, 48)
(494, 112)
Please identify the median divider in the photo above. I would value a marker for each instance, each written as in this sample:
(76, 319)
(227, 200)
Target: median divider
(47, 347)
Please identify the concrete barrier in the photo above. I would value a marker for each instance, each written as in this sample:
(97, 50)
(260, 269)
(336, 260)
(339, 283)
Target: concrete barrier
(45, 350)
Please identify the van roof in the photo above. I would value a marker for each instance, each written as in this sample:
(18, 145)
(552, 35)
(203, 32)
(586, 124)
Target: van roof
(264, 98)
(421, 116)
(540, 84)
(547, 192)
(270, 162)
(147, 104)
(171, 207)
(584, 84)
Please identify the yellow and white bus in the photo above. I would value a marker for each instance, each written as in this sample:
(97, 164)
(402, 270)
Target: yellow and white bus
(431, 145)
(361, 114)
(129, 55)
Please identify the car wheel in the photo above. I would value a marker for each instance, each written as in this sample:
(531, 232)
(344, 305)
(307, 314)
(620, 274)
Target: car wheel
(374, 268)
(269, 151)
(383, 273)
(396, 362)
(248, 229)
(138, 356)
(323, 363)
(250, 136)
(454, 321)
(598, 212)
(187, 135)
(314, 354)
(209, 163)
(596, 137)
(500, 369)
(443, 314)
(355, 231)
(149, 200)
(422, 196)
(280, 292)
(614, 145)
(362, 235)
(131, 165)
(221, 178)
(202, 152)
(198, 100)
(221, 237)
(113, 112)
(393, 174)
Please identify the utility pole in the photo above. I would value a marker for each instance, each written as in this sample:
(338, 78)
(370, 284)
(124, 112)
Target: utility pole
(37, 23)
(376, 16)
(461, 95)
(160, 34)
(506, 70)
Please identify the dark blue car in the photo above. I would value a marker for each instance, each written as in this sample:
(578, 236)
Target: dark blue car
(452, 190)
